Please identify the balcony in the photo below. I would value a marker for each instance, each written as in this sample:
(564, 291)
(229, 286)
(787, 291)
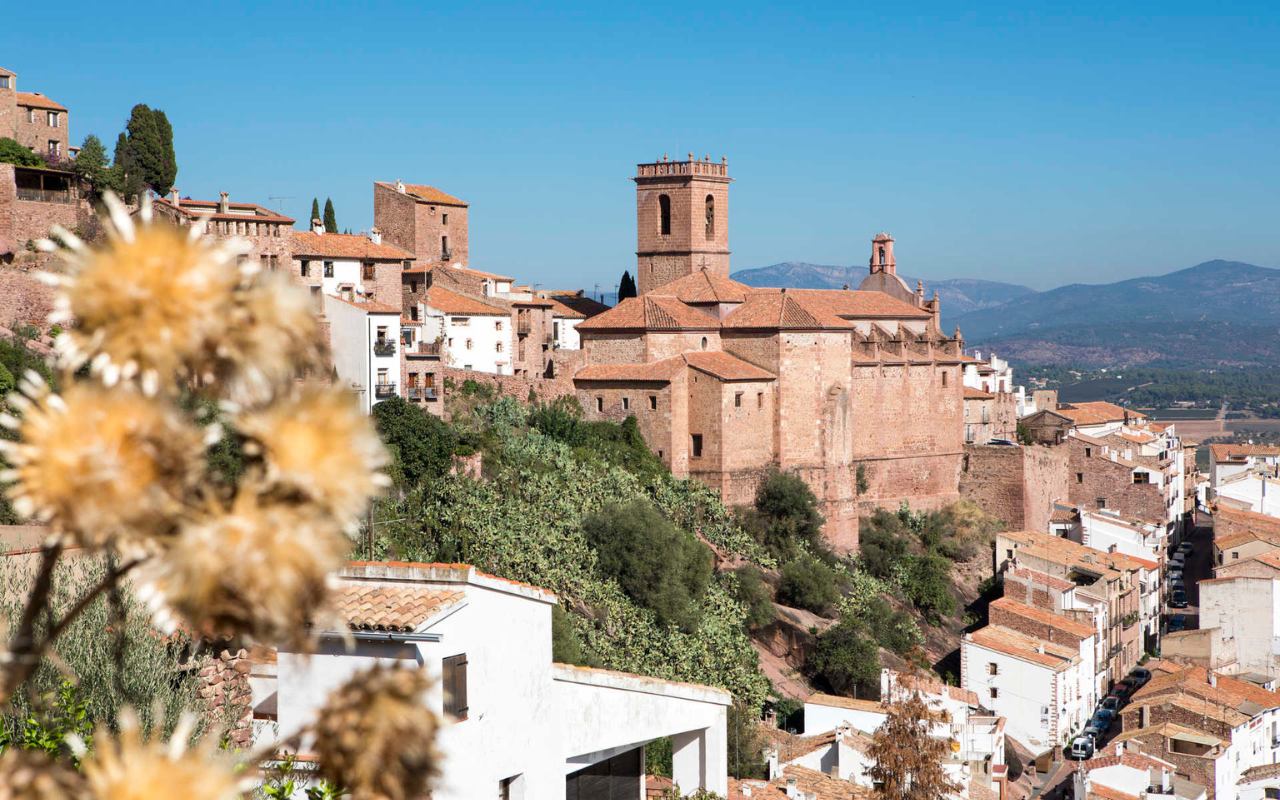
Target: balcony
(384, 390)
(45, 195)
(422, 393)
(425, 350)
(385, 347)
(523, 327)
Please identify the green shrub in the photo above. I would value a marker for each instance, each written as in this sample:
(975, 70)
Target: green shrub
(929, 587)
(846, 658)
(753, 593)
(809, 584)
(880, 548)
(893, 630)
(6, 381)
(11, 152)
(565, 646)
(658, 565)
(422, 444)
(789, 521)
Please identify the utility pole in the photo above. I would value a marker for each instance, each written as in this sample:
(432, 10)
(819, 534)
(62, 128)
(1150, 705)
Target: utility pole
(280, 205)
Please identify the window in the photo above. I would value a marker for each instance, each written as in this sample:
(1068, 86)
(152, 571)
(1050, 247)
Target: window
(328, 269)
(4, 81)
(469, 344)
(366, 271)
(1101, 502)
(454, 677)
(993, 668)
(497, 326)
(737, 399)
(711, 216)
(382, 333)
(462, 321)
(382, 377)
(497, 348)
(664, 212)
(444, 246)
(31, 115)
(653, 402)
(696, 443)
(599, 404)
(450, 341)
(759, 399)
(1008, 554)
(626, 403)
(994, 693)
(1088, 452)
(1271, 793)
(1079, 477)
(944, 379)
(1141, 477)
(53, 119)
(444, 219)
(413, 313)
(305, 269)
(704, 343)
(555, 330)
(1235, 555)
(55, 147)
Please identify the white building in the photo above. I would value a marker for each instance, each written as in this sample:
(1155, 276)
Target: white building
(1255, 490)
(993, 375)
(1129, 773)
(1226, 460)
(519, 725)
(364, 338)
(564, 326)
(476, 335)
(1243, 615)
(350, 266)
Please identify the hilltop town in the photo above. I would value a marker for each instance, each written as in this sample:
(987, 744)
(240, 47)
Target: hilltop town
(1083, 611)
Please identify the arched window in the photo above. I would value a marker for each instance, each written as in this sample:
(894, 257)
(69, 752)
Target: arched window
(664, 208)
(882, 254)
(704, 343)
(711, 216)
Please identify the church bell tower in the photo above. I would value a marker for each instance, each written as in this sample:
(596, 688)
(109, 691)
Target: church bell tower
(682, 220)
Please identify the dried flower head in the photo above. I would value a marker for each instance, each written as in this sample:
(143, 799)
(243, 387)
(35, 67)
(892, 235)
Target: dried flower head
(125, 767)
(376, 737)
(272, 338)
(258, 569)
(31, 775)
(152, 304)
(319, 448)
(101, 465)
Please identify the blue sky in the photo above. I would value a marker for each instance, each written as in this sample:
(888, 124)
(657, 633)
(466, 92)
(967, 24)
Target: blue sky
(1009, 143)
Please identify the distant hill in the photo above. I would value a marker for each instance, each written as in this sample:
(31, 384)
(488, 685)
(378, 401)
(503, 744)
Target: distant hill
(1218, 313)
(958, 296)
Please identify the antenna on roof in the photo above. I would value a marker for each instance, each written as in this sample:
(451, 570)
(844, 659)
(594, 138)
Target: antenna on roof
(280, 206)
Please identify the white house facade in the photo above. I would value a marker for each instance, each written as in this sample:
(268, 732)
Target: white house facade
(475, 335)
(364, 338)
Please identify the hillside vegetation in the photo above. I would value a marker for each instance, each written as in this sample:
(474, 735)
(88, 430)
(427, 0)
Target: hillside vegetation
(655, 575)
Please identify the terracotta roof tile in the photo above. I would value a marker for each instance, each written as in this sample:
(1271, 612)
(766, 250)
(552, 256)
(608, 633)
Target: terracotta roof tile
(853, 304)
(392, 607)
(344, 245)
(37, 100)
(782, 311)
(578, 301)
(442, 299)
(726, 367)
(1003, 640)
(1044, 617)
(654, 313)
(453, 267)
(654, 372)
(704, 287)
(426, 194)
(377, 308)
(194, 209)
(977, 394)
(1096, 413)
(1073, 554)
(1233, 452)
(561, 310)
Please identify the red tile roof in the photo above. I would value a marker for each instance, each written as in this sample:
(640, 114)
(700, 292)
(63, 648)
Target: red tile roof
(390, 607)
(726, 367)
(704, 287)
(1231, 452)
(1096, 413)
(852, 304)
(1003, 640)
(37, 100)
(719, 365)
(193, 209)
(782, 312)
(442, 299)
(1043, 617)
(468, 271)
(650, 313)
(977, 394)
(345, 245)
(578, 301)
(426, 194)
(562, 310)
(377, 308)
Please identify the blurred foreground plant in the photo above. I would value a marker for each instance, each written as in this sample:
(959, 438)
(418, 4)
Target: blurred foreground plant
(117, 466)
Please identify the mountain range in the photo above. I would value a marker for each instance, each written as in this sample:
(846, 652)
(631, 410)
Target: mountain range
(1215, 314)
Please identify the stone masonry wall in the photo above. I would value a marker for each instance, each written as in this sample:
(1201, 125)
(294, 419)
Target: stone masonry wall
(1017, 484)
(24, 300)
(1094, 476)
(225, 682)
(1029, 627)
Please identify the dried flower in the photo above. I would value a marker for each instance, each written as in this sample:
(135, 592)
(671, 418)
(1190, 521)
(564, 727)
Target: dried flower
(100, 465)
(151, 305)
(272, 338)
(258, 569)
(318, 447)
(375, 737)
(125, 767)
(31, 775)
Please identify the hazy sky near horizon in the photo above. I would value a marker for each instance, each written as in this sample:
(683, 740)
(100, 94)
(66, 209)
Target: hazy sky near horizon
(1012, 143)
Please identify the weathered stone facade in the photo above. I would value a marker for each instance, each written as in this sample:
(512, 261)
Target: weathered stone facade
(27, 212)
(1016, 483)
(224, 686)
(682, 220)
(423, 220)
(33, 120)
(1096, 480)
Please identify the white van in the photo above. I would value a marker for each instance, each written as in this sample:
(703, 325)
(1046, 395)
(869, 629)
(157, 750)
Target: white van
(1082, 748)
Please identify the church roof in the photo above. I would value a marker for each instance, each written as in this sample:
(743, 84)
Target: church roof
(726, 367)
(704, 287)
(858, 304)
(650, 313)
(781, 311)
(716, 364)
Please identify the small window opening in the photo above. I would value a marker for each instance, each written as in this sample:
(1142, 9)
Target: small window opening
(664, 211)
(599, 404)
(653, 402)
(711, 216)
(696, 442)
(737, 400)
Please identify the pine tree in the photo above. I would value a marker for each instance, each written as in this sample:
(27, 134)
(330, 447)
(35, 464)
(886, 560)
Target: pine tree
(91, 164)
(627, 286)
(162, 182)
(330, 219)
(907, 761)
(315, 211)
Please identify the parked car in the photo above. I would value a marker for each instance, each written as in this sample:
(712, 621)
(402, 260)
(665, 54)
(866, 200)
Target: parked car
(1102, 719)
(1122, 689)
(1178, 622)
(1094, 733)
(1082, 747)
(1186, 547)
(1141, 675)
(1177, 585)
(1179, 599)
(1175, 574)
(1110, 703)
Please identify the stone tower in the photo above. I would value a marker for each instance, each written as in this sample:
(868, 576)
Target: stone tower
(883, 276)
(882, 255)
(682, 220)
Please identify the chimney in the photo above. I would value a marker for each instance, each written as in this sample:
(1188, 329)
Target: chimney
(1040, 649)
(1119, 749)
(1213, 679)
(773, 764)
(399, 186)
(793, 791)
(175, 198)
(317, 227)
(375, 236)
(224, 206)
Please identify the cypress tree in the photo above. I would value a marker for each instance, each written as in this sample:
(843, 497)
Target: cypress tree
(627, 286)
(315, 211)
(330, 219)
(162, 182)
(126, 176)
(145, 148)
